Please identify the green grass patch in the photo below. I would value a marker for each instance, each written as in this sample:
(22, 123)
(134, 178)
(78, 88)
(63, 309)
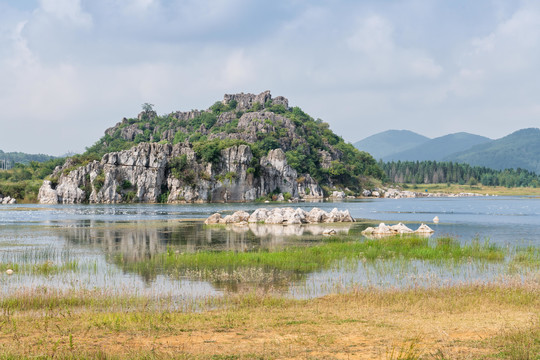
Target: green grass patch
(45, 268)
(305, 259)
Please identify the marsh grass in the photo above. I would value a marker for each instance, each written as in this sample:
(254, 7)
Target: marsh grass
(46, 260)
(528, 257)
(333, 252)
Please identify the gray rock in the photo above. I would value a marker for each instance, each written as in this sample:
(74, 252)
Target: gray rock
(274, 218)
(258, 216)
(142, 174)
(316, 215)
(46, 194)
(213, 219)
(338, 195)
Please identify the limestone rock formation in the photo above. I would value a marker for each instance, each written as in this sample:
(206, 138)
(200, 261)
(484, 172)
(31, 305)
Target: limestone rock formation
(145, 173)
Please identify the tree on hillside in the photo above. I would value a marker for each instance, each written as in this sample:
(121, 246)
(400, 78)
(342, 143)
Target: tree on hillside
(148, 108)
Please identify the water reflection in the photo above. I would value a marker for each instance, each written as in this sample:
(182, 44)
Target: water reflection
(139, 247)
(139, 241)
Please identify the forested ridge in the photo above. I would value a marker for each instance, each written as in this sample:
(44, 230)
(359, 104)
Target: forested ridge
(433, 172)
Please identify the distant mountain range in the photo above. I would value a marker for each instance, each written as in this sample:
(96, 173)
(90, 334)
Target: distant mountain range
(520, 149)
(389, 142)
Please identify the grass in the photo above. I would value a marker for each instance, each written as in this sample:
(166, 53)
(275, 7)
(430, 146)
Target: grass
(306, 259)
(478, 189)
(497, 321)
(35, 260)
(45, 268)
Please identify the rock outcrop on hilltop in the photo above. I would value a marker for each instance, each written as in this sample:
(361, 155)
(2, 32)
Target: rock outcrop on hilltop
(242, 148)
(144, 174)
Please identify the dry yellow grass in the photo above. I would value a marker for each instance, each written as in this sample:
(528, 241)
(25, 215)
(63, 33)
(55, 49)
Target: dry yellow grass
(459, 322)
(477, 189)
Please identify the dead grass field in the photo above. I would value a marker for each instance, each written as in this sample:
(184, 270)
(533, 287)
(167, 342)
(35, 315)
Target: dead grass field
(469, 322)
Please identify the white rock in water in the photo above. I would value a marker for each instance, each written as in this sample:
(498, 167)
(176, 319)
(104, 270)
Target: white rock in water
(329, 232)
(9, 271)
(424, 229)
(401, 229)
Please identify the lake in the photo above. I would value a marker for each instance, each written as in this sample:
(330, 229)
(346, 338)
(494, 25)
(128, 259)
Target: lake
(113, 247)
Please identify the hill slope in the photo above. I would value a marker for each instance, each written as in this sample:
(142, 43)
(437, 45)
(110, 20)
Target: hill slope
(439, 148)
(520, 149)
(389, 142)
(242, 148)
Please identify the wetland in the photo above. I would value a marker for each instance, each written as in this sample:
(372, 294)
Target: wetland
(122, 268)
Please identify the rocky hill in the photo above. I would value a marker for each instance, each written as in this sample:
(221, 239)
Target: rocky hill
(240, 149)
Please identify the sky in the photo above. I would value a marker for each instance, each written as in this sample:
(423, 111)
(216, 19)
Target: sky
(69, 69)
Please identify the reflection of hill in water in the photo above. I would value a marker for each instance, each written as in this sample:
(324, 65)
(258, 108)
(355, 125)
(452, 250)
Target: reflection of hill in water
(136, 246)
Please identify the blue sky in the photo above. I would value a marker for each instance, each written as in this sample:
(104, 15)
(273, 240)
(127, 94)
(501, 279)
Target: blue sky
(69, 69)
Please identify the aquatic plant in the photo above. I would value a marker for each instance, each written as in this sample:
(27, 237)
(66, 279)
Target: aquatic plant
(336, 251)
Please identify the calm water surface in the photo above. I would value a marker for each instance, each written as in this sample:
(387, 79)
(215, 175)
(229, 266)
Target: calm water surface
(108, 244)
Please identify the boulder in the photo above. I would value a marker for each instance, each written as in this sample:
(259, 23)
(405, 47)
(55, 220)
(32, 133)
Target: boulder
(274, 218)
(213, 219)
(240, 216)
(401, 229)
(258, 215)
(229, 219)
(339, 195)
(424, 229)
(316, 215)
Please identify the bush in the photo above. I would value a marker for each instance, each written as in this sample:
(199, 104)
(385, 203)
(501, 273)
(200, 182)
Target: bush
(126, 184)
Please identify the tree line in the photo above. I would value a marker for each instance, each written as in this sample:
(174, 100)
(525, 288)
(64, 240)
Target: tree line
(433, 172)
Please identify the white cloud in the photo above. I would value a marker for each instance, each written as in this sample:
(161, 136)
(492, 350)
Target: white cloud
(67, 10)
(72, 68)
(381, 59)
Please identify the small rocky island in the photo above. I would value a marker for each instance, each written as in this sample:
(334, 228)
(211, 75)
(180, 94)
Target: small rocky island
(384, 230)
(282, 216)
(243, 148)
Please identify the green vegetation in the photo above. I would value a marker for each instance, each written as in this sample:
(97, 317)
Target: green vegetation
(45, 268)
(432, 172)
(520, 149)
(23, 158)
(306, 259)
(23, 181)
(302, 143)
